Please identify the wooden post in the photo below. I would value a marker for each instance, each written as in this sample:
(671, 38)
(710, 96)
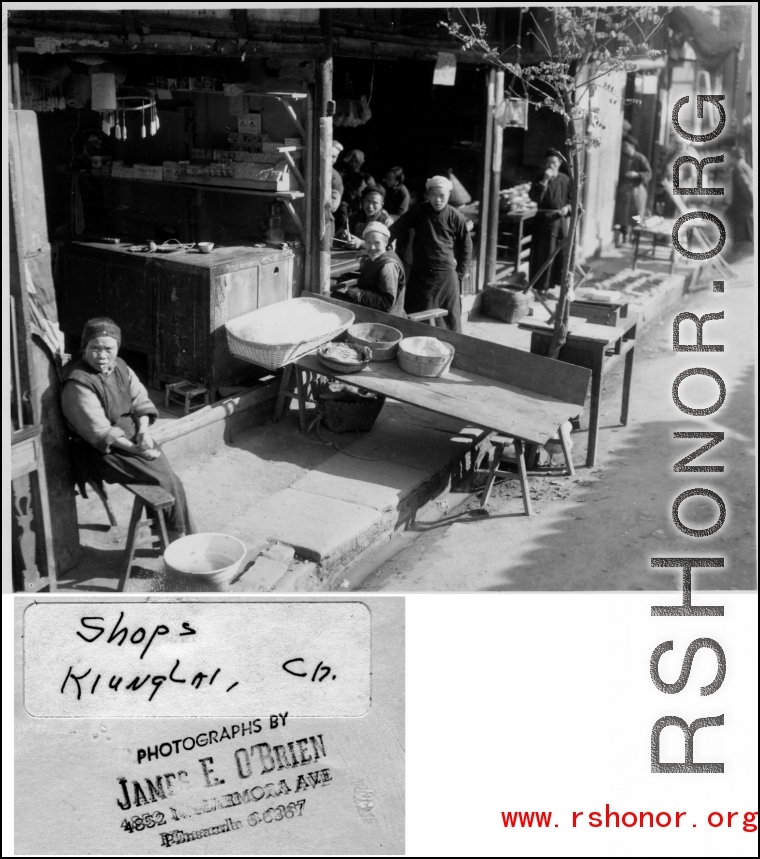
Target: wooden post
(493, 209)
(308, 187)
(15, 80)
(325, 110)
(485, 190)
(30, 274)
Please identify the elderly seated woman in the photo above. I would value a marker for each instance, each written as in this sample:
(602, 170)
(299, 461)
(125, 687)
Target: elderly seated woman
(108, 413)
(381, 281)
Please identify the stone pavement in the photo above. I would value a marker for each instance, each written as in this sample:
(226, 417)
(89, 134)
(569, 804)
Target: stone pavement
(334, 500)
(329, 501)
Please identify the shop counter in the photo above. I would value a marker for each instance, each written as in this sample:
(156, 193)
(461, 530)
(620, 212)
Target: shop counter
(172, 306)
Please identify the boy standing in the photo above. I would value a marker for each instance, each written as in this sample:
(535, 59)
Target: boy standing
(442, 250)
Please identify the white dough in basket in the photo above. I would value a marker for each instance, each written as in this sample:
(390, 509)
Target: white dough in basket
(299, 325)
(427, 347)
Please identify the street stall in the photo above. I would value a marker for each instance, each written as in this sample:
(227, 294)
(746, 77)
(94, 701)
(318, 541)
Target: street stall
(197, 241)
(523, 396)
(186, 166)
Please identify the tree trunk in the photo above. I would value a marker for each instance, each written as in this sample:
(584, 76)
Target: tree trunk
(568, 269)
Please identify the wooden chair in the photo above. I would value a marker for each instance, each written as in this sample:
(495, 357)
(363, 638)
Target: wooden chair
(152, 500)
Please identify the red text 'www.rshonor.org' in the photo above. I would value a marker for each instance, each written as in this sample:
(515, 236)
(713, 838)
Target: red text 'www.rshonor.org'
(746, 821)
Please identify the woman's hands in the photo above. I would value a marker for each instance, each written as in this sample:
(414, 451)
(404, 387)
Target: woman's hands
(565, 210)
(146, 447)
(144, 440)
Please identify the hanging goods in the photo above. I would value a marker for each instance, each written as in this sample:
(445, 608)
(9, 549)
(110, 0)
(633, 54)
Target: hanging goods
(124, 104)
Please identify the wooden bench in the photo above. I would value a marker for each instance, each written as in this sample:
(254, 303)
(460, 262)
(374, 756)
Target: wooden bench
(154, 501)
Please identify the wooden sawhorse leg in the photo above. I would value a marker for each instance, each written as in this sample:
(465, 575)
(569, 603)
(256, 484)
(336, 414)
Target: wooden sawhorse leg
(627, 376)
(522, 473)
(564, 440)
(496, 455)
(597, 373)
(287, 393)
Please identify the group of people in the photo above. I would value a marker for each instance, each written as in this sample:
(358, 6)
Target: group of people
(357, 198)
(441, 248)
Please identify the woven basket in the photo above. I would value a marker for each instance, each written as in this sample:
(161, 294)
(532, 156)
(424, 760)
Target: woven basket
(508, 305)
(277, 355)
(345, 366)
(348, 411)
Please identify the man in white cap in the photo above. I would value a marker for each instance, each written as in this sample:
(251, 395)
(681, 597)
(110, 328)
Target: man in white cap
(442, 251)
(381, 279)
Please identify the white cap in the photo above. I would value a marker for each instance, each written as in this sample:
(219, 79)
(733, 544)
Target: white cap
(337, 146)
(439, 182)
(377, 227)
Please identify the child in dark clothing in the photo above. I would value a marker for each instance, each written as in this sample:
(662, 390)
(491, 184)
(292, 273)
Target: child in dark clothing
(442, 252)
(397, 195)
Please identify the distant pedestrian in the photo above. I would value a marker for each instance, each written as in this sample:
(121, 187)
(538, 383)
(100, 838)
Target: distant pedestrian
(633, 186)
(739, 216)
(552, 191)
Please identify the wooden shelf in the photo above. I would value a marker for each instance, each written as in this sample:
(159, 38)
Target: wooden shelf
(213, 183)
(241, 90)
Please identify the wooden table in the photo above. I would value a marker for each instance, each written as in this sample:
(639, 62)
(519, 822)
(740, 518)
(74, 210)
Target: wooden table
(659, 236)
(496, 387)
(599, 348)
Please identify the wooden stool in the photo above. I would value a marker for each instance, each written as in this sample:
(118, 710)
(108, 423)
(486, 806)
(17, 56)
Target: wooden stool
(154, 500)
(184, 393)
(497, 456)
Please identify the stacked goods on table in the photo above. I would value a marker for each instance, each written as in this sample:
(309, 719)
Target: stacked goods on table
(516, 199)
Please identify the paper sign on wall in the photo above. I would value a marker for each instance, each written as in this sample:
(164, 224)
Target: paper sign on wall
(445, 70)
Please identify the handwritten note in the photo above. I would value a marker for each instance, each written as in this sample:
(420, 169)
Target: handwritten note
(131, 660)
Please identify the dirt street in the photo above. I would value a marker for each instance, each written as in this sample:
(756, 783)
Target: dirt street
(598, 531)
